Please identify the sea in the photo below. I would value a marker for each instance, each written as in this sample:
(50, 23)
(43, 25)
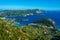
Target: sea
(54, 15)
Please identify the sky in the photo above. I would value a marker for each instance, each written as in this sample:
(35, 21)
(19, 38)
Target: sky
(30, 4)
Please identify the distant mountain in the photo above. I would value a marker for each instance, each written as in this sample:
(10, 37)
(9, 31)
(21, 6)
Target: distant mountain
(20, 12)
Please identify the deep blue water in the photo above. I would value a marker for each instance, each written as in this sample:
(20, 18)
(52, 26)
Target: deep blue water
(54, 15)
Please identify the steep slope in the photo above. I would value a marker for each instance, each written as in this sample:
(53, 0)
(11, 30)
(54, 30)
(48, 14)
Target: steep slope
(8, 32)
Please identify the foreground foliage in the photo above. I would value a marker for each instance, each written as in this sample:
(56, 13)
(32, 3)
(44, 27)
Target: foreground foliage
(8, 32)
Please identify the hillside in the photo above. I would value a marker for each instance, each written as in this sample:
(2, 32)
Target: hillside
(28, 32)
(19, 12)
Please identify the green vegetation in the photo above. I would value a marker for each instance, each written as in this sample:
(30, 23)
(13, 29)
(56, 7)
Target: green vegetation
(18, 12)
(45, 28)
(28, 32)
(46, 21)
